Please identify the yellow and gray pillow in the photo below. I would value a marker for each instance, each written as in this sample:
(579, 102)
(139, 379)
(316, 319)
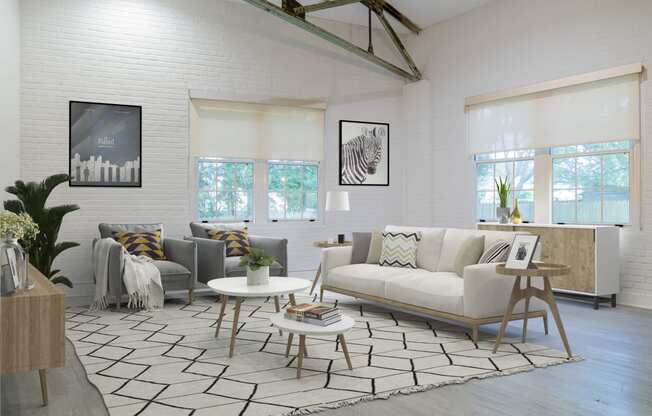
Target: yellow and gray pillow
(236, 241)
(144, 243)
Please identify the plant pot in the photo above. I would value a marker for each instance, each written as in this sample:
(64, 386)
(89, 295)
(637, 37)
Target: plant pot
(503, 215)
(258, 277)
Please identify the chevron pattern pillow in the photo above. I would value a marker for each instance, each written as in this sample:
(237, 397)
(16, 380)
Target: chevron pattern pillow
(496, 253)
(236, 241)
(400, 249)
(146, 243)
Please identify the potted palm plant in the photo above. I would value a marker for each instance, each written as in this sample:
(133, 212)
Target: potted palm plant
(503, 188)
(257, 264)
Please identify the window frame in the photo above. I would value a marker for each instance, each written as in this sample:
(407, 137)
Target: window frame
(198, 189)
(268, 191)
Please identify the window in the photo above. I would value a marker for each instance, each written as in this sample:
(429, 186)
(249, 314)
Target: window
(225, 190)
(590, 183)
(293, 190)
(518, 168)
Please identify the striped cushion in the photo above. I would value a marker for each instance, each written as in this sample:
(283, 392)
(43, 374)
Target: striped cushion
(237, 241)
(400, 249)
(496, 253)
(146, 243)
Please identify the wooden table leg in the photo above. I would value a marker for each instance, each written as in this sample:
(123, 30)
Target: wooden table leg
(287, 350)
(234, 329)
(345, 350)
(314, 282)
(293, 300)
(513, 300)
(302, 346)
(527, 307)
(225, 300)
(277, 306)
(44, 386)
(550, 300)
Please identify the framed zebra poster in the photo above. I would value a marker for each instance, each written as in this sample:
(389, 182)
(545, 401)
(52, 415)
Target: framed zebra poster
(364, 153)
(105, 145)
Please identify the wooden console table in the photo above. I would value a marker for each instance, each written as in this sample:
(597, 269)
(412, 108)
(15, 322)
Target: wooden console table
(325, 244)
(32, 328)
(545, 271)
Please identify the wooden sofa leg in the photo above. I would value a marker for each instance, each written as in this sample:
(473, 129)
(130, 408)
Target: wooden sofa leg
(190, 291)
(321, 295)
(475, 333)
(545, 323)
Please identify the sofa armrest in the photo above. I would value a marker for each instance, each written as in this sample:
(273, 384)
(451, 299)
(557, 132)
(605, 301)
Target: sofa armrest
(333, 257)
(487, 293)
(275, 247)
(210, 258)
(183, 252)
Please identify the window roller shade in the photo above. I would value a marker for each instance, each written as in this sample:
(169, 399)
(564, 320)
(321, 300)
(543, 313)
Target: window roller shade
(255, 131)
(597, 111)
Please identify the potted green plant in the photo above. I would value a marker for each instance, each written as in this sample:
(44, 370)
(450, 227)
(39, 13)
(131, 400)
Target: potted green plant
(257, 264)
(503, 188)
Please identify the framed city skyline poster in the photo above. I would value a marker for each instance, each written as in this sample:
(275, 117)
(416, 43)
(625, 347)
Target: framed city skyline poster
(364, 153)
(105, 145)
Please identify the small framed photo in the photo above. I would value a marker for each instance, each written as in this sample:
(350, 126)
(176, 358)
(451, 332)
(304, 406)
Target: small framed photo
(521, 251)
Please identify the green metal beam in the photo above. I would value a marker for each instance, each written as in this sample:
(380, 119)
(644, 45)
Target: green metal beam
(334, 39)
(397, 42)
(324, 5)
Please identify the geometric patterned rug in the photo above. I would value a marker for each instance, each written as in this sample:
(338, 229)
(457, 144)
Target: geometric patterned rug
(169, 363)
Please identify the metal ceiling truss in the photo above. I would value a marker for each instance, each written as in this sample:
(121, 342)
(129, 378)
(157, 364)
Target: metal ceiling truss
(293, 12)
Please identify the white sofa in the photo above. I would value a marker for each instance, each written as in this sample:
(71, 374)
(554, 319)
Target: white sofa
(478, 297)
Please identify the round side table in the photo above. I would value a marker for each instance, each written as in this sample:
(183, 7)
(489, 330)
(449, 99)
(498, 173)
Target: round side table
(238, 288)
(545, 271)
(303, 329)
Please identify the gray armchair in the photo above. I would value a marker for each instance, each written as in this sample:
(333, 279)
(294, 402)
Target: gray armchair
(178, 272)
(212, 262)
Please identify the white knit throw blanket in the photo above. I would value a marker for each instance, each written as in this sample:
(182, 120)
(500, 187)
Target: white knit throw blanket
(141, 278)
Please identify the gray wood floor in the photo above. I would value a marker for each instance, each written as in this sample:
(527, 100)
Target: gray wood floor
(615, 378)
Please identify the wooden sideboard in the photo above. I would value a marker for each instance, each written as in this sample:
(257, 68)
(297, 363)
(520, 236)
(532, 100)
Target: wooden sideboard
(592, 252)
(32, 329)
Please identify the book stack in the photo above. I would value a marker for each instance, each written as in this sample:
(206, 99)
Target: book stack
(314, 314)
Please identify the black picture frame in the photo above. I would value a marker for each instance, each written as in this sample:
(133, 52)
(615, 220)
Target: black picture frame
(131, 138)
(383, 180)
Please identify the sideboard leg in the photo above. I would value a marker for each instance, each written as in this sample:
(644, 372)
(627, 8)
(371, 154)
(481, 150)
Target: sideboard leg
(44, 385)
(613, 300)
(596, 303)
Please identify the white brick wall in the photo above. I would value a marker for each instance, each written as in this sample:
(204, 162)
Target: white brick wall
(150, 53)
(510, 43)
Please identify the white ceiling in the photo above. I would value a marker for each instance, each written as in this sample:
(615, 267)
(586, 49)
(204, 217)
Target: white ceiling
(422, 12)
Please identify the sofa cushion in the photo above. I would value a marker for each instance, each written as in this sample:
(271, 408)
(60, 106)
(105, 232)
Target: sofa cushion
(232, 268)
(469, 253)
(453, 240)
(375, 248)
(429, 248)
(400, 249)
(360, 250)
(439, 291)
(171, 269)
(365, 278)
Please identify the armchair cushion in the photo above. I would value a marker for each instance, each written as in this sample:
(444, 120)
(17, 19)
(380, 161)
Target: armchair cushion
(201, 229)
(233, 268)
(107, 230)
(170, 269)
(184, 253)
(211, 255)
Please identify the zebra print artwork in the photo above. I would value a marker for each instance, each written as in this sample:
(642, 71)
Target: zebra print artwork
(364, 153)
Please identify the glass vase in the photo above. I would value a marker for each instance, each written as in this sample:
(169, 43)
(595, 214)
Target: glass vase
(16, 261)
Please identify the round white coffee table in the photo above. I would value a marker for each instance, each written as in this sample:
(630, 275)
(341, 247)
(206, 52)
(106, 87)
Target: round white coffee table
(302, 329)
(238, 288)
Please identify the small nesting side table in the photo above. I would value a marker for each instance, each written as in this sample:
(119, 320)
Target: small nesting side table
(545, 271)
(325, 244)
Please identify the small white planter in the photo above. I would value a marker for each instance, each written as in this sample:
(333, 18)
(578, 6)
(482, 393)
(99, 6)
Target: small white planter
(258, 277)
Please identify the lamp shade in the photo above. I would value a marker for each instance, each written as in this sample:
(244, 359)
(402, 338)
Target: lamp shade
(337, 201)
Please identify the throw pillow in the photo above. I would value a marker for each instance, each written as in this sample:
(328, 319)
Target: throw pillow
(400, 249)
(469, 253)
(236, 241)
(146, 243)
(375, 248)
(496, 253)
(360, 249)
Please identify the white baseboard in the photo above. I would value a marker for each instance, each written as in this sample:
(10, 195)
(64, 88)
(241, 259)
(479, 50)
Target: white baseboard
(636, 300)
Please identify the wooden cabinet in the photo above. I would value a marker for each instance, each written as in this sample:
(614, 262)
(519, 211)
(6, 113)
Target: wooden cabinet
(32, 329)
(592, 252)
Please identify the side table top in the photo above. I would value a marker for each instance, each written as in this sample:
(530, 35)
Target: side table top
(297, 327)
(237, 286)
(539, 269)
(326, 244)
